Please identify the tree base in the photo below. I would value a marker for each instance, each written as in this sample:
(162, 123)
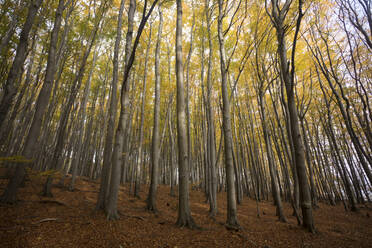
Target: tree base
(152, 209)
(47, 191)
(212, 214)
(151, 206)
(47, 194)
(112, 215)
(8, 198)
(308, 221)
(61, 182)
(186, 221)
(9, 195)
(99, 207)
(171, 193)
(282, 219)
(233, 227)
(280, 214)
(71, 188)
(353, 208)
(311, 229)
(232, 221)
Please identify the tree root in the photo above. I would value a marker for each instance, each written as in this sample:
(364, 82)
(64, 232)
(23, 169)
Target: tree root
(131, 216)
(112, 215)
(231, 227)
(187, 222)
(282, 219)
(152, 209)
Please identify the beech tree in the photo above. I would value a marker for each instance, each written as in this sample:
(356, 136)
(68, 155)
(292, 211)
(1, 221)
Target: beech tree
(232, 221)
(287, 71)
(111, 208)
(10, 87)
(155, 151)
(184, 214)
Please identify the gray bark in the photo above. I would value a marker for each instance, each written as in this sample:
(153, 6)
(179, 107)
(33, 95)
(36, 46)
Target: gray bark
(184, 212)
(140, 145)
(80, 125)
(10, 87)
(232, 221)
(117, 158)
(155, 150)
(287, 74)
(105, 175)
(270, 158)
(210, 121)
(111, 209)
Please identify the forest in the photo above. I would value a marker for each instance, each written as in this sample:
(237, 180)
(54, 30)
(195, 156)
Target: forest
(185, 123)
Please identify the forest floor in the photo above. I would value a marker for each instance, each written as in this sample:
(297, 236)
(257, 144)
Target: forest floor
(68, 220)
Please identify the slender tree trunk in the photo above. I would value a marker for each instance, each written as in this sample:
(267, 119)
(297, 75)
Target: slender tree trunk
(109, 139)
(269, 152)
(5, 39)
(10, 87)
(140, 160)
(117, 158)
(43, 98)
(155, 151)
(314, 197)
(232, 221)
(57, 159)
(184, 213)
(287, 75)
(173, 159)
(210, 120)
(188, 59)
(81, 119)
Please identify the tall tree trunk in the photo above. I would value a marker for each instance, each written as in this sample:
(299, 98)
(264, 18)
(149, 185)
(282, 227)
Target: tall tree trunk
(210, 121)
(232, 221)
(172, 158)
(184, 213)
(287, 75)
(10, 86)
(43, 98)
(111, 208)
(105, 175)
(314, 197)
(155, 150)
(117, 158)
(188, 59)
(81, 119)
(269, 152)
(5, 39)
(140, 160)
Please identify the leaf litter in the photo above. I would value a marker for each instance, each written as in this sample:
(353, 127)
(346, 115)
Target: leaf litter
(69, 220)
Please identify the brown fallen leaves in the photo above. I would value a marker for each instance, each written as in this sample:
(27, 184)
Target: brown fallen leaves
(40, 222)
